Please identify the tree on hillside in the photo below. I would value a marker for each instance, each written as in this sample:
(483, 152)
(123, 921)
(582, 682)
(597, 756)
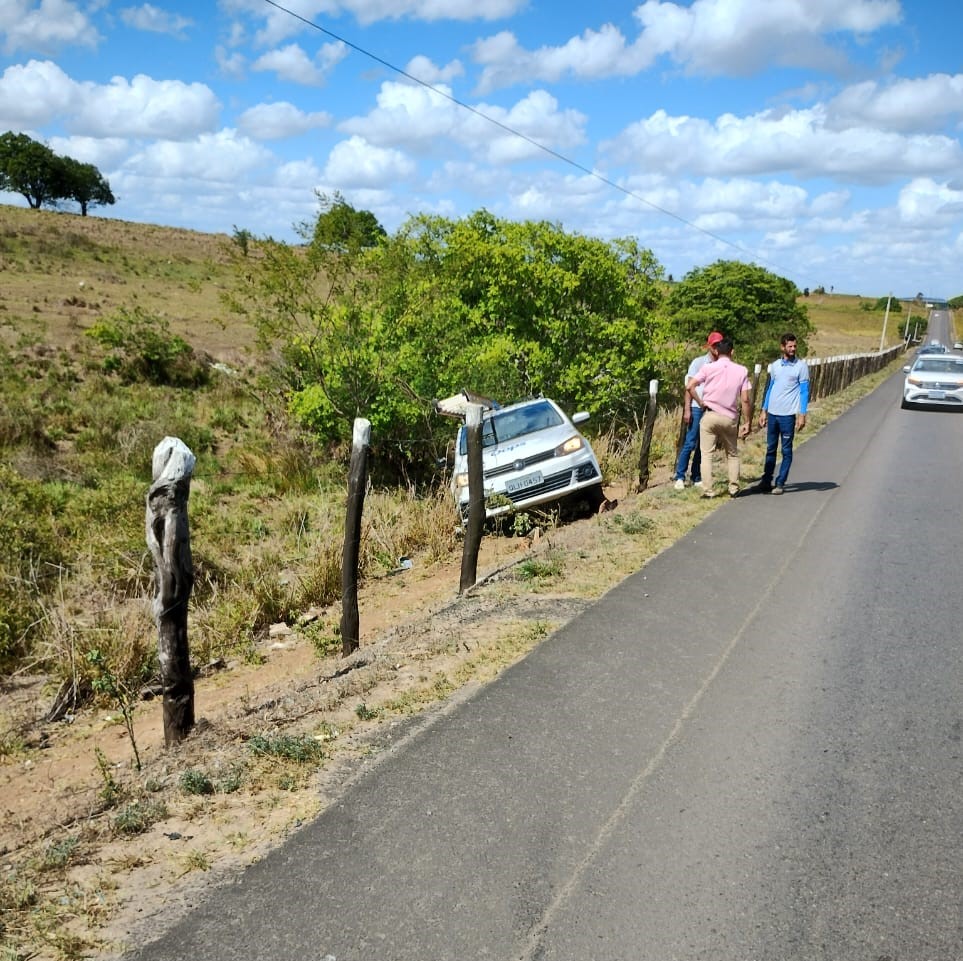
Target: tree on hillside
(506, 309)
(747, 303)
(339, 227)
(86, 185)
(33, 170)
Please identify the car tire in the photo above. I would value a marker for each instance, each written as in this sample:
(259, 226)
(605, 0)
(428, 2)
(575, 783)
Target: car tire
(903, 404)
(591, 499)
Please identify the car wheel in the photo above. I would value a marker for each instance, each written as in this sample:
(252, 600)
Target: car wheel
(591, 499)
(903, 404)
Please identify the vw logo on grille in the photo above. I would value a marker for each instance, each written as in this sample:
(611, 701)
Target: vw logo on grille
(519, 465)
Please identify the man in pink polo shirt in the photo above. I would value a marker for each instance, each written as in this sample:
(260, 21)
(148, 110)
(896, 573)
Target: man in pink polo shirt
(725, 388)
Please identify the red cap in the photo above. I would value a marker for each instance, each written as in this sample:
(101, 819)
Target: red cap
(714, 338)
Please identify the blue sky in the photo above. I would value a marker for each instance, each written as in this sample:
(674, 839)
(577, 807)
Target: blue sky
(822, 139)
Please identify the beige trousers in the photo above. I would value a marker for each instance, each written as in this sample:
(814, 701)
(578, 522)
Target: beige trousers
(719, 431)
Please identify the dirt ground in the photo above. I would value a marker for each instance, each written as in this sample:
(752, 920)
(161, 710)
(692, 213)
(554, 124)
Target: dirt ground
(96, 891)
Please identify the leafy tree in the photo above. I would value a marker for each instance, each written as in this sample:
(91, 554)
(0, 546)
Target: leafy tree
(339, 227)
(506, 309)
(85, 184)
(749, 304)
(31, 169)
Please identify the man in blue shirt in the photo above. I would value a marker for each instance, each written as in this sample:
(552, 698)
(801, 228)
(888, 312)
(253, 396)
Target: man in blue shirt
(783, 412)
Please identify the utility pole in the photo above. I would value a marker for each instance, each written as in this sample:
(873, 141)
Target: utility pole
(882, 336)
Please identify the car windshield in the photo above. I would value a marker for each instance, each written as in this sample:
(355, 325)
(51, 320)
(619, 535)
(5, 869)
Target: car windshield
(939, 365)
(504, 425)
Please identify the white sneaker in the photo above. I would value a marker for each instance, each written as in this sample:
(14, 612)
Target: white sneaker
(680, 484)
(698, 484)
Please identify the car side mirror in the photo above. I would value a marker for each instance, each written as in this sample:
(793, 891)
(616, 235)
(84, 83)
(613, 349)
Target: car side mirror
(906, 369)
(581, 417)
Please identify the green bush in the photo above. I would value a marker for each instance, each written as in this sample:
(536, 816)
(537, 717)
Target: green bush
(141, 348)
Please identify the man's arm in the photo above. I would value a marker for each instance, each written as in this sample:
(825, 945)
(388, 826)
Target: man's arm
(746, 412)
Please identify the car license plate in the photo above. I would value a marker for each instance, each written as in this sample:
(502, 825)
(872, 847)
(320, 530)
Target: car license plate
(527, 481)
(936, 395)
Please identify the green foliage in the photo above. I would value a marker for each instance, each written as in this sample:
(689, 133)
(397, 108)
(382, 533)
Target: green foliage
(138, 816)
(366, 713)
(540, 567)
(29, 558)
(881, 304)
(42, 177)
(141, 348)
(747, 303)
(86, 185)
(506, 309)
(106, 682)
(299, 748)
(341, 228)
(194, 781)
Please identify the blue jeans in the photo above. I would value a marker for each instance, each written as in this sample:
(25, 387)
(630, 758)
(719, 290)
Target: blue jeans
(691, 446)
(779, 428)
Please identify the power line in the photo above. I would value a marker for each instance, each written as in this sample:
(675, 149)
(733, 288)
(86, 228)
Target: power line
(515, 133)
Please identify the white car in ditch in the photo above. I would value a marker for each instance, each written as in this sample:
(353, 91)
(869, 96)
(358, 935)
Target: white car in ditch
(532, 456)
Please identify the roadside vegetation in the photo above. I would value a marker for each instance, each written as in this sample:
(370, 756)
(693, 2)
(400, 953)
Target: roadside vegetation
(258, 355)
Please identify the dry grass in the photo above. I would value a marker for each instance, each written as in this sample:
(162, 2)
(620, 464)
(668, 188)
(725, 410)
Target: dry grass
(844, 325)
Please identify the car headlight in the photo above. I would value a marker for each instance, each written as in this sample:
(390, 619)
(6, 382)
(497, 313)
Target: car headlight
(570, 446)
(915, 381)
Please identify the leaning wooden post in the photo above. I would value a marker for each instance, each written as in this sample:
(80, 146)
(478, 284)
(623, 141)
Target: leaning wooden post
(357, 483)
(475, 522)
(647, 435)
(169, 540)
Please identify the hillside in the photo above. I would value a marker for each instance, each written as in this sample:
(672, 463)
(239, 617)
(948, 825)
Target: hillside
(61, 271)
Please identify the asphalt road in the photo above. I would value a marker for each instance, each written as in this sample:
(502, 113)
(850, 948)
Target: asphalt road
(748, 751)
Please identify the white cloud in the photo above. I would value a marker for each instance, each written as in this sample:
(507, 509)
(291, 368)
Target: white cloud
(154, 20)
(144, 107)
(293, 64)
(45, 27)
(277, 121)
(709, 37)
(34, 94)
(369, 11)
(917, 104)
(39, 93)
(105, 153)
(221, 157)
(355, 163)
(799, 142)
(421, 119)
(927, 204)
(424, 69)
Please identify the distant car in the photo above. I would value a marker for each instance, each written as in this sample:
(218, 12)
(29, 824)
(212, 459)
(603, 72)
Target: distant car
(532, 456)
(958, 345)
(933, 349)
(934, 380)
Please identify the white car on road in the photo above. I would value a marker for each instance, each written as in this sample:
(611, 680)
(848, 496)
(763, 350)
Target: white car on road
(934, 380)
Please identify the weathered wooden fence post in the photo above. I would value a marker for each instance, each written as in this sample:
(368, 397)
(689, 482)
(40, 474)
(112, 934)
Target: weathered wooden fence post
(647, 428)
(357, 483)
(169, 540)
(754, 392)
(475, 523)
